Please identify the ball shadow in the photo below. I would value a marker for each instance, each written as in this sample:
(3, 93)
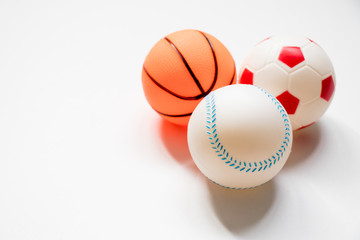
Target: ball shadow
(174, 138)
(240, 210)
(305, 141)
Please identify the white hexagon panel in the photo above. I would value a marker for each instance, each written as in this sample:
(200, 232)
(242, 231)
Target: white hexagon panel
(297, 71)
(305, 84)
(278, 82)
(258, 56)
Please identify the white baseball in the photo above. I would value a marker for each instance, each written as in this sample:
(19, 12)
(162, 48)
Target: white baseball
(239, 136)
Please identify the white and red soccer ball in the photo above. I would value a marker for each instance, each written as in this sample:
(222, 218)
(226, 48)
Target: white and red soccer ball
(296, 71)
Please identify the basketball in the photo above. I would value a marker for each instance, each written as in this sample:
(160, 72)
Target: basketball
(181, 69)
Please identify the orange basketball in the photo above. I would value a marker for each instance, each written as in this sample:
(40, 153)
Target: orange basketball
(181, 69)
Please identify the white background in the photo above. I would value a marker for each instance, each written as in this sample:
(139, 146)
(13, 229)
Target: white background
(83, 156)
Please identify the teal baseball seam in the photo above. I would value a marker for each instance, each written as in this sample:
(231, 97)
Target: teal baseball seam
(224, 154)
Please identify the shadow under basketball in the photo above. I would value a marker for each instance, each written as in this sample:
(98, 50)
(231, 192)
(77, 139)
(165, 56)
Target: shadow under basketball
(305, 141)
(240, 210)
(174, 138)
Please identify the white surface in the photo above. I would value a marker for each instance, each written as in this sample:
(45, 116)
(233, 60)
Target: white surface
(230, 142)
(83, 156)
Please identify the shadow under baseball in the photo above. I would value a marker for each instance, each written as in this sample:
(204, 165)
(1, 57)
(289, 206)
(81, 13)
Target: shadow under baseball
(305, 142)
(174, 138)
(240, 210)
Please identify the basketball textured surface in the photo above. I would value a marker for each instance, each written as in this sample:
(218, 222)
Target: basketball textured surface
(239, 136)
(297, 71)
(181, 69)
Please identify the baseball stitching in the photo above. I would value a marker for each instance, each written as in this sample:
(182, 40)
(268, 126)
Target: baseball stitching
(225, 156)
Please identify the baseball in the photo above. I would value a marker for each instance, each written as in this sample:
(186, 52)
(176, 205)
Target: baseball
(239, 136)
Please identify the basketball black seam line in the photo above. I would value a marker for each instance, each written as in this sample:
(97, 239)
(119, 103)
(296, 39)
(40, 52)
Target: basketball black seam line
(189, 114)
(186, 65)
(169, 91)
(179, 96)
(215, 62)
(174, 115)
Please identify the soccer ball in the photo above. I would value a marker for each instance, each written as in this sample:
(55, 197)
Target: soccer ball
(296, 71)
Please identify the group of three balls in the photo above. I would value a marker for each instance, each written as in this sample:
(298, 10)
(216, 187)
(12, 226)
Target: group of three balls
(239, 132)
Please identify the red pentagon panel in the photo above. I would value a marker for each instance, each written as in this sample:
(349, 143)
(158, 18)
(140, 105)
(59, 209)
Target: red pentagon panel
(289, 102)
(327, 89)
(291, 56)
(247, 77)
